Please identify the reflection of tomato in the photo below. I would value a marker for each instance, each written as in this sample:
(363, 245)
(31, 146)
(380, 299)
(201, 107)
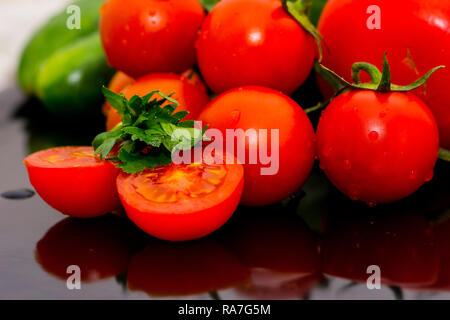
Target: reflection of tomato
(267, 111)
(141, 37)
(172, 269)
(189, 92)
(73, 181)
(377, 147)
(281, 251)
(276, 287)
(182, 202)
(274, 240)
(402, 246)
(254, 42)
(101, 247)
(415, 33)
(442, 234)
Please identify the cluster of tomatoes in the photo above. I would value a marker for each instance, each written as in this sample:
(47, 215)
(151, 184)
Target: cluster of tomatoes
(375, 145)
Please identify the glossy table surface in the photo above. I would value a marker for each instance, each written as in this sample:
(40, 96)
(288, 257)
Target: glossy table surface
(316, 245)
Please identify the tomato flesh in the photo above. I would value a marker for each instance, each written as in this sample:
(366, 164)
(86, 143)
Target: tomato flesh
(74, 181)
(182, 202)
(377, 147)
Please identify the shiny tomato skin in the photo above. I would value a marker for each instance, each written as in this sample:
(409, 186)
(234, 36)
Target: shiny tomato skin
(185, 219)
(82, 188)
(263, 108)
(141, 37)
(189, 92)
(377, 147)
(253, 42)
(414, 33)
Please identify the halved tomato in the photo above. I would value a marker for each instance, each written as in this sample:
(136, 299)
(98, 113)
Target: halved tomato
(74, 181)
(182, 202)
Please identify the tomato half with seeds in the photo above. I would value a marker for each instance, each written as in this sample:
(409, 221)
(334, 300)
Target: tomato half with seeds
(377, 147)
(188, 90)
(74, 181)
(182, 202)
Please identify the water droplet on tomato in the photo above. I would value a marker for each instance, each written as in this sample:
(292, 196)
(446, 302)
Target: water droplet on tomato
(413, 175)
(429, 176)
(327, 151)
(18, 194)
(235, 116)
(322, 165)
(373, 136)
(347, 165)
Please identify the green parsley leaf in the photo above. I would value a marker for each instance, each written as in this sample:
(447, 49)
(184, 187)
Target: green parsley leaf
(150, 131)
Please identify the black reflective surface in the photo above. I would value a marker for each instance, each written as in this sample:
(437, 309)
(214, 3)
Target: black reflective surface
(316, 245)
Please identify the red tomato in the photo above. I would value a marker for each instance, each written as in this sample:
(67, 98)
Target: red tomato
(416, 35)
(377, 147)
(179, 269)
(182, 202)
(189, 92)
(141, 37)
(261, 108)
(254, 42)
(101, 247)
(73, 181)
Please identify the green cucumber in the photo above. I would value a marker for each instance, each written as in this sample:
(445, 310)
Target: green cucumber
(69, 82)
(52, 36)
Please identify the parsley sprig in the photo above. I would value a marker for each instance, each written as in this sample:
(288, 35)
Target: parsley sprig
(149, 132)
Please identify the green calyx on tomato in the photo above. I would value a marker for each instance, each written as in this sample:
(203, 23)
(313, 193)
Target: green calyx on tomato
(299, 10)
(380, 81)
(149, 132)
